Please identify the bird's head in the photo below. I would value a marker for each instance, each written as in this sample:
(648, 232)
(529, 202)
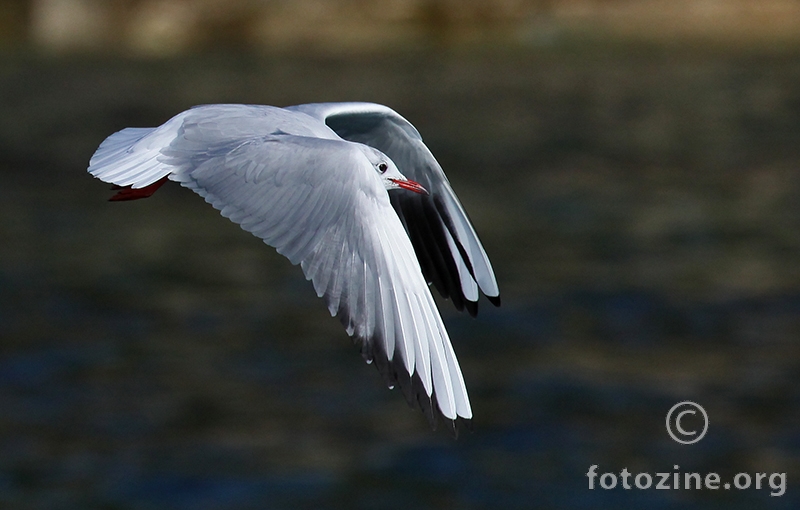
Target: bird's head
(390, 174)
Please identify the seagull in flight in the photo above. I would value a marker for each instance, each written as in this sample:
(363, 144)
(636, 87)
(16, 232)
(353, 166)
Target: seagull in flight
(351, 193)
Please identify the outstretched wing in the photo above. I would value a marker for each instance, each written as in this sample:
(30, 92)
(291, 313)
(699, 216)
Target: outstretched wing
(445, 242)
(320, 203)
(133, 158)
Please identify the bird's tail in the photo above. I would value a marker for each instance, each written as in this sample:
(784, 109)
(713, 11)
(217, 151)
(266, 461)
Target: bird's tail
(130, 159)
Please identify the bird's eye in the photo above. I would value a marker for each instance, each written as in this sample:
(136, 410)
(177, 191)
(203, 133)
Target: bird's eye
(383, 167)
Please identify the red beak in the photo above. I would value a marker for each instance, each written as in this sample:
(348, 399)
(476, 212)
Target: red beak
(411, 186)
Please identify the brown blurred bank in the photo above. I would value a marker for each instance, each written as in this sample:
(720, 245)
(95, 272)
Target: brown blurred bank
(171, 27)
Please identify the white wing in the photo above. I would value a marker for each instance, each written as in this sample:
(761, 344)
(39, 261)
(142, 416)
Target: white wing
(448, 249)
(132, 157)
(320, 203)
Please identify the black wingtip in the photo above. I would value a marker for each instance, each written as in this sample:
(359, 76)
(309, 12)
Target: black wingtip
(472, 307)
(495, 300)
(458, 424)
(395, 375)
(424, 401)
(454, 428)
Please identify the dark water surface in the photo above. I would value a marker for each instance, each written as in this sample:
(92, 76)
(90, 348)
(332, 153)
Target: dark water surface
(642, 211)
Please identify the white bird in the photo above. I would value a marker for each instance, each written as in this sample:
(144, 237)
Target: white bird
(312, 181)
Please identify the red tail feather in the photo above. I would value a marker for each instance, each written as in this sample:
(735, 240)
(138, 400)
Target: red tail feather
(128, 193)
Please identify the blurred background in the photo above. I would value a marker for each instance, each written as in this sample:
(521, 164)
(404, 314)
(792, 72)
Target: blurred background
(631, 167)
